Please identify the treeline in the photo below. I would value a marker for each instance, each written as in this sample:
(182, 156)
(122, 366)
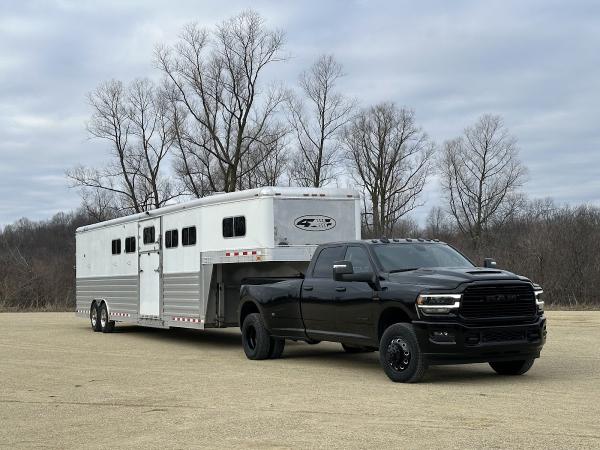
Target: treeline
(37, 263)
(557, 247)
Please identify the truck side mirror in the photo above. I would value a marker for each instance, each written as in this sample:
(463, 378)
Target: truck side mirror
(341, 268)
(489, 263)
(344, 271)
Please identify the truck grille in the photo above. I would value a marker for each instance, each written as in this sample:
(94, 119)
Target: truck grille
(498, 301)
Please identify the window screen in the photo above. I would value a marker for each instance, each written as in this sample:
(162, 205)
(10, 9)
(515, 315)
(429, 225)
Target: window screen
(172, 238)
(130, 244)
(324, 264)
(188, 236)
(116, 246)
(359, 258)
(149, 237)
(234, 226)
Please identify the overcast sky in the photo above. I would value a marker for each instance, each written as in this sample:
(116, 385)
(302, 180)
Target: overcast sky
(536, 63)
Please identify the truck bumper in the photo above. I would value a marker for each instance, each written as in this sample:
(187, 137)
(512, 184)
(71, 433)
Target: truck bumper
(458, 343)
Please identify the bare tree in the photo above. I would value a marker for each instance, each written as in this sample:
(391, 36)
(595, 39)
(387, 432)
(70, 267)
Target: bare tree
(135, 122)
(390, 159)
(316, 120)
(481, 175)
(437, 223)
(223, 120)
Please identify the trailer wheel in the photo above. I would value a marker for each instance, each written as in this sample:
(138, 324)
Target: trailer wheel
(400, 355)
(356, 349)
(94, 317)
(512, 367)
(255, 337)
(277, 346)
(106, 325)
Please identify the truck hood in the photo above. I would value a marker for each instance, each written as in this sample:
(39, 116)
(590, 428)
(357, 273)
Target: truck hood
(451, 277)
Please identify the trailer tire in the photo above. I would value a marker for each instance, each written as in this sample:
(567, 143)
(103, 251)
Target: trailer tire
(95, 317)
(512, 367)
(356, 349)
(106, 325)
(255, 337)
(400, 355)
(277, 346)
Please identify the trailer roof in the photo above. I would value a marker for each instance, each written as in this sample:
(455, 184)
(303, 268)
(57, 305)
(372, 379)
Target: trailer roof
(270, 191)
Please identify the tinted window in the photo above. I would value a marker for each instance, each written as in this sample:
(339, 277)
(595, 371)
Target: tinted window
(234, 226)
(324, 264)
(398, 257)
(359, 258)
(149, 235)
(239, 226)
(130, 244)
(188, 236)
(228, 227)
(172, 238)
(116, 247)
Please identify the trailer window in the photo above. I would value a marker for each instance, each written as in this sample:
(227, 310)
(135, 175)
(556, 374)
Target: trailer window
(188, 236)
(234, 226)
(130, 244)
(116, 246)
(149, 237)
(172, 238)
(324, 264)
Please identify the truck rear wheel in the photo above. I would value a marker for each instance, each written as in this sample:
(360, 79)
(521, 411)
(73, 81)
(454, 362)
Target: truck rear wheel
(255, 337)
(94, 317)
(400, 355)
(277, 346)
(512, 367)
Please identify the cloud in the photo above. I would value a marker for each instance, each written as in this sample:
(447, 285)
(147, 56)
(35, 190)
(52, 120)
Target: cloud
(535, 63)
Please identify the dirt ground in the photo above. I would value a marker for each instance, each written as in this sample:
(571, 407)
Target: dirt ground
(61, 385)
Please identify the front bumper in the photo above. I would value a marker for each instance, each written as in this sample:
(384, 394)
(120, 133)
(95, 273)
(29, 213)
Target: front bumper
(456, 343)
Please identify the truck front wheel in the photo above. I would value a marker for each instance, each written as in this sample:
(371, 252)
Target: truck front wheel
(512, 367)
(255, 337)
(400, 355)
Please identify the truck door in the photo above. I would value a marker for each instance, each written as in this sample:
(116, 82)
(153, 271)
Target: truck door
(354, 299)
(149, 238)
(318, 299)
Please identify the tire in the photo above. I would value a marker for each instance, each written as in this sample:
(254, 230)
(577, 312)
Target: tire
(512, 367)
(106, 325)
(400, 355)
(255, 337)
(356, 349)
(277, 346)
(95, 317)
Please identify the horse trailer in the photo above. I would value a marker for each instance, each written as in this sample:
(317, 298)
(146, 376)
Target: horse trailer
(182, 265)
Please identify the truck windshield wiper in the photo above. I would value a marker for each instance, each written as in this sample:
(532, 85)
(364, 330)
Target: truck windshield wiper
(404, 270)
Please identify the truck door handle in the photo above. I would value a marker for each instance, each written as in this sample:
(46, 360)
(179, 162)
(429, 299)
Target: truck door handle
(340, 289)
(308, 288)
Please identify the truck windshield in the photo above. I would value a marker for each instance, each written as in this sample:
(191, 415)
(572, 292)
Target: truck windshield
(406, 257)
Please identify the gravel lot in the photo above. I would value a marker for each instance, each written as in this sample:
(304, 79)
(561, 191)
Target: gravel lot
(61, 385)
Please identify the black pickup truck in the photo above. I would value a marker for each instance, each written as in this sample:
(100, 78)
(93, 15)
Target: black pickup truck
(419, 302)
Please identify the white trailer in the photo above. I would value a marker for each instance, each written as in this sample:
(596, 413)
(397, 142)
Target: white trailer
(182, 265)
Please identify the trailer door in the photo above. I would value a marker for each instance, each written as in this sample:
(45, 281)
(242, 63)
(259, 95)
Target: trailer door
(149, 238)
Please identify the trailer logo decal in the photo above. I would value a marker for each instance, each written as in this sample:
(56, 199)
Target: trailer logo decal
(315, 223)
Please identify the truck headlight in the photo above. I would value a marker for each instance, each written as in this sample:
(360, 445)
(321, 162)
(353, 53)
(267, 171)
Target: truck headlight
(438, 303)
(539, 294)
